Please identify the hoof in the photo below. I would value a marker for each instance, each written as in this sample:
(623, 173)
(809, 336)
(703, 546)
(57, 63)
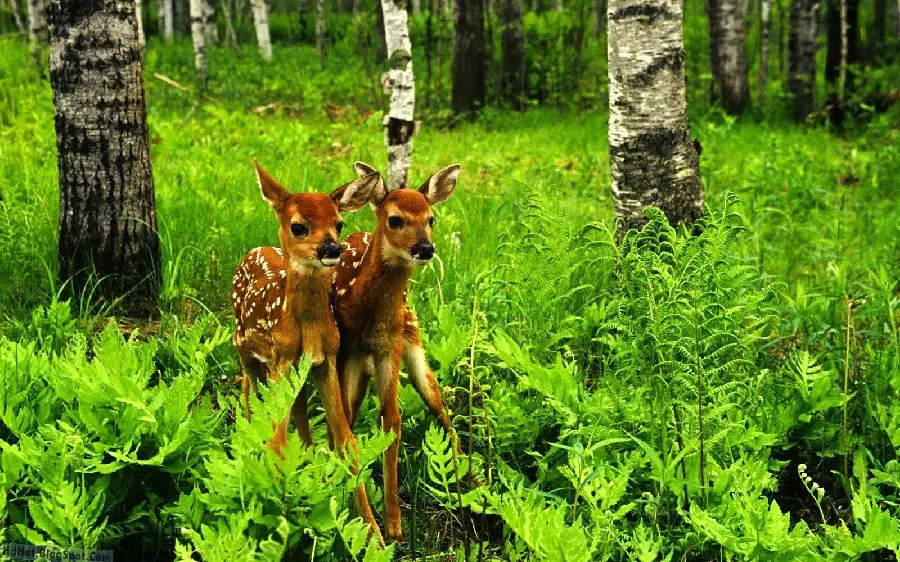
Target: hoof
(395, 532)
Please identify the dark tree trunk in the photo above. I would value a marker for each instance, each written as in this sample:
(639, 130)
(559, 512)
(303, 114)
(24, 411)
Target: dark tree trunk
(836, 102)
(801, 80)
(652, 158)
(727, 57)
(468, 57)
(513, 72)
(107, 220)
(878, 26)
(303, 10)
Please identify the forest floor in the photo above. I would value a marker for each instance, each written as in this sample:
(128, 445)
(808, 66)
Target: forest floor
(819, 225)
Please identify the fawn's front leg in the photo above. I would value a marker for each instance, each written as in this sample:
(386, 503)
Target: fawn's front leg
(387, 376)
(326, 378)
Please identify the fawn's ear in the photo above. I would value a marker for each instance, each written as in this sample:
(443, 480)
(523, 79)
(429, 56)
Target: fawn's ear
(439, 187)
(363, 169)
(352, 196)
(272, 192)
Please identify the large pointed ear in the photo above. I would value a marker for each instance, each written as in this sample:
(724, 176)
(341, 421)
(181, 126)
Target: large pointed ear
(439, 187)
(352, 196)
(272, 192)
(363, 169)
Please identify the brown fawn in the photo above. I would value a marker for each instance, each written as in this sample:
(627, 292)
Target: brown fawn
(377, 328)
(282, 305)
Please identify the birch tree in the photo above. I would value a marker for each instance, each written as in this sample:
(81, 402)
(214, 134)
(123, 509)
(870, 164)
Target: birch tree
(198, 34)
(728, 60)
(37, 27)
(17, 16)
(513, 72)
(210, 30)
(321, 30)
(261, 24)
(400, 83)
(801, 80)
(468, 57)
(652, 158)
(765, 27)
(107, 219)
(139, 14)
(167, 18)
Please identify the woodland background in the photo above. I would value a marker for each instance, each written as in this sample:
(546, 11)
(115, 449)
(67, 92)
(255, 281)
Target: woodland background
(728, 392)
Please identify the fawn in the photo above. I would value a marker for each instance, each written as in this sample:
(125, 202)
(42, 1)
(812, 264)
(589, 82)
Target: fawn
(282, 305)
(377, 328)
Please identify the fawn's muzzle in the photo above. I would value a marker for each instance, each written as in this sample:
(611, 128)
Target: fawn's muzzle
(422, 251)
(329, 253)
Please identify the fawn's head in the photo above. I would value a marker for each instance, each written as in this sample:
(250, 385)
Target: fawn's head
(404, 218)
(311, 222)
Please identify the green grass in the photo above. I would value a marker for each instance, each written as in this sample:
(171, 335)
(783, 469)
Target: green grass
(587, 357)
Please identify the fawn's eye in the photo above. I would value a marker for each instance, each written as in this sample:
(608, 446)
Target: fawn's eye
(339, 226)
(395, 222)
(431, 222)
(298, 229)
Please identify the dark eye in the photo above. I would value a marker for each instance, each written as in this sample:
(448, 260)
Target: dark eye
(431, 222)
(298, 229)
(339, 226)
(395, 222)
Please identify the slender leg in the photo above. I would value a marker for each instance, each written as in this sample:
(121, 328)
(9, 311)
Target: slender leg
(251, 368)
(300, 410)
(354, 377)
(329, 388)
(387, 377)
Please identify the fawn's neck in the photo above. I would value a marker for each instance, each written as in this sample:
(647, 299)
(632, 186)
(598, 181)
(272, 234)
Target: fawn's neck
(307, 292)
(386, 278)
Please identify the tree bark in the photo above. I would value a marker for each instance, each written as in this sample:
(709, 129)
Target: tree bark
(198, 34)
(652, 158)
(139, 14)
(261, 23)
(17, 16)
(400, 83)
(381, 45)
(304, 8)
(416, 7)
(801, 80)
(168, 17)
(107, 220)
(727, 57)
(513, 71)
(37, 28)
(779, 39)
(842, 38)
(321, 28)
(765, 26)
(468, 57)
(210, 30)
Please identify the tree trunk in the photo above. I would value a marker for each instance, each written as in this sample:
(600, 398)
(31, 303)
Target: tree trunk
(37, 28)
(107, 219)
(139, 14)
(727, 57)
(17, 16)
(168, 16)
(779, 40)
(513, 71)
(416, 7)
(842, 38)
(321, 28)
(400, 83)
(381, 44)
(198, 34)
(599, 9)
(210, 30)
(354, 7)
(765, 25)
(304, 8)
(230, 34)
(801, 80)
(468, 57)
(652, 158)
(261, 23)
(878, 26)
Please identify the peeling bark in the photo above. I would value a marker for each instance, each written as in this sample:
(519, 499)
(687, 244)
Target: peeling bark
(107, 220)
(468, 57)
(652, 158)
(513, 72)
(400, 83)
(801, 80)
(261, 24)
(727, 57)
(198, 34)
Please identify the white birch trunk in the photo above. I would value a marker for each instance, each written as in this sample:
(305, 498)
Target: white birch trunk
(168, 20)
(261, 23)
(37, 22)
(139, 14)
(209, 23)
(728, 62)
(399, 82)
(321, 30)
(652, 158)
(417, 7)
(17, 16)
(765, 26)
(198, 34)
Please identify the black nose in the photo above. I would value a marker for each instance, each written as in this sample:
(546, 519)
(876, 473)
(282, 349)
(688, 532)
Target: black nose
(329, 250)
(422, 251)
